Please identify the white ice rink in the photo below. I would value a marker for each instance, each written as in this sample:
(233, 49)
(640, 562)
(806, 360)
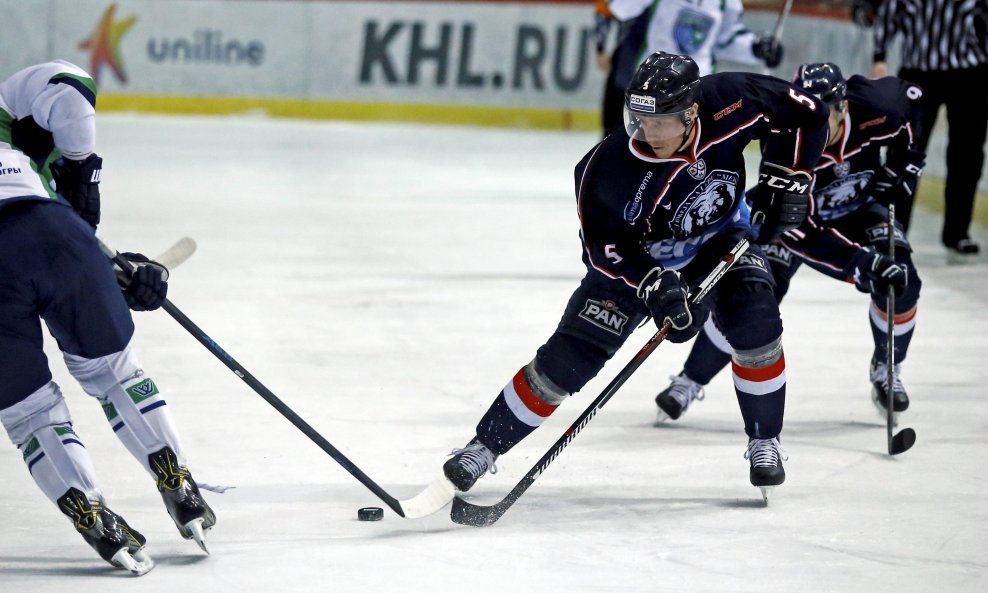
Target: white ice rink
(386, 281)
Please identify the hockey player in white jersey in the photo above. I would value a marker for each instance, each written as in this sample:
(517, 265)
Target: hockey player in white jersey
(705, 30)
(52, 269)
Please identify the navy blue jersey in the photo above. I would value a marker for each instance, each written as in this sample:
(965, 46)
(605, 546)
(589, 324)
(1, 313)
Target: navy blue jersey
(638, 211)
(882, 112)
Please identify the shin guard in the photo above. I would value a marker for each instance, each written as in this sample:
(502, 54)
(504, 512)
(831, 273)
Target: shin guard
(131, 401)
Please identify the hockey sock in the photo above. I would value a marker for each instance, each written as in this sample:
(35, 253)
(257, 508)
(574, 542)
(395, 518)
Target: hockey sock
(134, 407)
(41, 427)
(521, 407)
(905, 323)
(709, 355)
(760, 383)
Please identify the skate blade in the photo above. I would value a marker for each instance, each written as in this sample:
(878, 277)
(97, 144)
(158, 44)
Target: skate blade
(661, 418)
(766, 491)
(196, 532)
(139, 564)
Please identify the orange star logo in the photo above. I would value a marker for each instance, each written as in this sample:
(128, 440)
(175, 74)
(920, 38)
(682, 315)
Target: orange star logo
(104, 44)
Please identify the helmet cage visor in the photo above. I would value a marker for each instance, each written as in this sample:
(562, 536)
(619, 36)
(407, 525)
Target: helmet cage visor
(655, 127)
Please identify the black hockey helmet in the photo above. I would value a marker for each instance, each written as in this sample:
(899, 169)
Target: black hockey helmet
(824, 80)
(664, 84)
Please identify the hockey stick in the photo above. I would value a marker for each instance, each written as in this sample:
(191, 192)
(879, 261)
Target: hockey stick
(777, 33)
(431, 499)
(901, 442)
(466, 513)
(783, 15)
(175, 255)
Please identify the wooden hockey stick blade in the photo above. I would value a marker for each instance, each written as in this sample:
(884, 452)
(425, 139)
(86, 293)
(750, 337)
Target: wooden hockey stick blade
(902, 441)
(431, 500)
(176, 255)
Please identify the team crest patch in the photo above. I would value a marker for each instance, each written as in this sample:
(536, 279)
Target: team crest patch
(142, 390)
(710, 200)
(698, 170)
(605, 315)
(842, 169)
(691, 30)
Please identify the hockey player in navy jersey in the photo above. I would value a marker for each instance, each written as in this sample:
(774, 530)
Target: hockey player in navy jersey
(660, 203)
(846, 236)
(52, 269)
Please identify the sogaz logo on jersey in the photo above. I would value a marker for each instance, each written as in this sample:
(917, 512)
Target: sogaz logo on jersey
(605, 315)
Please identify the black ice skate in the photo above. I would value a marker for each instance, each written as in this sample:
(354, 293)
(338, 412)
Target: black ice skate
(963, 252)
(468, 464)
(765, 456)
(879, 390)
(108, 534)
(184, 502)
(674, 400)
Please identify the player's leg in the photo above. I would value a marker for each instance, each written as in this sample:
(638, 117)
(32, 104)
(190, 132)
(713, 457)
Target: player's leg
(93, 327)
(32, 409)
(600, 316)
(711, 351)
(748, 314)
(874, 223)
(967, 118)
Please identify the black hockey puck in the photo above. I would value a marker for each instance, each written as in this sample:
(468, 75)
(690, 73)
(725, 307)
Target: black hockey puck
(370, 514)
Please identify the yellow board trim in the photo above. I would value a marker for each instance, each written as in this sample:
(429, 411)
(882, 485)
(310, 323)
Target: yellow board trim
(501, 117)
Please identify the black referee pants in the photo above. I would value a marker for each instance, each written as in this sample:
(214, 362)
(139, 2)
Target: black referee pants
(965, 93)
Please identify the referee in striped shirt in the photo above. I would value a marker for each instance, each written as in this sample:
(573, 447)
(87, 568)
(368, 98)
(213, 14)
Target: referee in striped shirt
(945, 52)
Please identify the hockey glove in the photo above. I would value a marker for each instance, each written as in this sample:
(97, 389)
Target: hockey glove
(767, 49)
(78, 182)
(863, 12)
(666, 296)
(888, 186)
(146, 288)
(780, 202)
(875, 272)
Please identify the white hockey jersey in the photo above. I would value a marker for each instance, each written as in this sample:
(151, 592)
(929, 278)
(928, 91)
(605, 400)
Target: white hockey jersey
(702, 29)
(52, 103)
(18, 179)
(47, 111)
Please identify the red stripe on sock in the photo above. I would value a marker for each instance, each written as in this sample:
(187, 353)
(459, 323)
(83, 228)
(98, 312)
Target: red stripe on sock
(528, 397)
(903, 317)
(762, 373)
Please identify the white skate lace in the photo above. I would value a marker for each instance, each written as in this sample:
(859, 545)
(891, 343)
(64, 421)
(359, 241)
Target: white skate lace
(880, 376)
(684, 390)
(765, 452)
(476, 459)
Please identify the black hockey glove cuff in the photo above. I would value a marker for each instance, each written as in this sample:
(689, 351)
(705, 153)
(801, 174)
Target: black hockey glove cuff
(897, 179)
(78, 182)
(780, 202)
(666, 296)
(875, 273)
(768, 49)
(147, 287)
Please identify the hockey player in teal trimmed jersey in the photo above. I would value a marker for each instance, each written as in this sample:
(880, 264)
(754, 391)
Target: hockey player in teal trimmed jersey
(52, 269)
(705, 30)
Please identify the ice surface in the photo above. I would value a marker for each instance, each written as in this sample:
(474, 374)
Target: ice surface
(386, 281)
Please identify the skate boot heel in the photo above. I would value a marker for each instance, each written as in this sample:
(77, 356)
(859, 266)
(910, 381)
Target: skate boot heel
(182, 498)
